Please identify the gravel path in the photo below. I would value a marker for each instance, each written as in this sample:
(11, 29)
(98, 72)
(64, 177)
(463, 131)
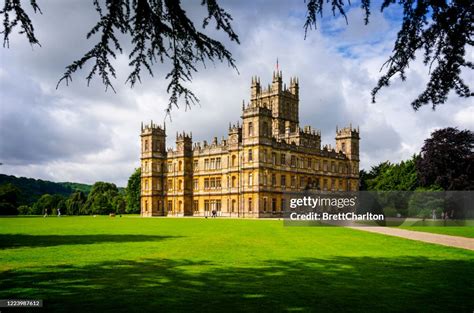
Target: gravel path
(445, 240)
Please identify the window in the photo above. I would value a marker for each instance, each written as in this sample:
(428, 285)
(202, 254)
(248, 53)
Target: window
(212, 182)
(170, 184)
(265, 129)
(274, 204)
(195, 165)
(302, 182)
(274, 158)
(250, 158)
(206, 183)
(250, 204)
(333, 167)
(206, 164)
(234, 179)
(146, 184)
(250, 129)
(274, 180)
(325, 166)
(233, 160)
(264, 155)
(282, 159)
(206, 205)
(293, 181)
(145, 167)
(218, 163)
(333, 184)
(310, 165)
(170, 205)
(233, 206)
(195, 206)
(170, 167)
(146, 206)
(180, 184)
(325, 184)
(343, 147)
(283, 180)
(180, 165)
(146, 145)
(195, 184)
(250, 179)
(265, 178)
(265, 204)
(218, 182)
(213, 164)
(293, 161)
(282, 204)
(316, 165)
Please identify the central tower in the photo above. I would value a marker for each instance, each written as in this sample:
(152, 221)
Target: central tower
(282, 101)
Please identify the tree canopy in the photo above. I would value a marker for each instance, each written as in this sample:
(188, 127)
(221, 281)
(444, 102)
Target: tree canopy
(161, 31)
(447, 159)
(133, 192)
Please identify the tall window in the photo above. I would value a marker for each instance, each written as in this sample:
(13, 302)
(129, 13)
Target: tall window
(274, 180)
(250, 129)
(233, 160)
(265, 204)
(146, 145)
(250, 204)
(195, 184)
(293, 161)
(206, 164)
(218, 163)
(250, 158)
(274, 204)
(250, 179)
(274, 158)
(234, 179)
(195, 165)
(283, 180)
(180, 165)
(265, 129)
(195, 206)
(282, 159)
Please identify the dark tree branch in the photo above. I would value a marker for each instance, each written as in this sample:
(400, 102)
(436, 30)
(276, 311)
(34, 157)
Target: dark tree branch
(20, 17)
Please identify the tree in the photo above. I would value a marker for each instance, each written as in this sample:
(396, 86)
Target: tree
(161, 30)
(132, 192)
(75, 202)
(46, 203)
(447, 160)
(100, 200)
(9, 197)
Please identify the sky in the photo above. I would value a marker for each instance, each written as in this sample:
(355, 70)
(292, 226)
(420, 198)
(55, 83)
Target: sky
(85, 134)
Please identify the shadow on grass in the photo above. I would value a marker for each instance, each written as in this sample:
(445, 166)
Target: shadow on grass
(350, 284)
(9, 241)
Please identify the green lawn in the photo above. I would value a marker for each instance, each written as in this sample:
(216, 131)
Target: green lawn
(130, 264)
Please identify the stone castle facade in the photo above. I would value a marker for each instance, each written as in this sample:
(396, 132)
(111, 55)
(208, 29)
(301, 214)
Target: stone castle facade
(247, 174)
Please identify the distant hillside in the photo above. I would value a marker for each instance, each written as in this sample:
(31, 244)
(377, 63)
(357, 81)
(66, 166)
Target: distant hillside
(77, 187)
(32, 189)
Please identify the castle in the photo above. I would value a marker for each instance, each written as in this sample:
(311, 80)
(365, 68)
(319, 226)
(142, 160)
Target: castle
(246, 175)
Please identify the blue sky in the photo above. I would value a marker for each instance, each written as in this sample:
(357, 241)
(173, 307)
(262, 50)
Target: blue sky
(84, 134)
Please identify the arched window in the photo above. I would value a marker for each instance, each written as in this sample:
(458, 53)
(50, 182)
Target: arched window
(180, 166)
(234, 179)
(233, 159)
